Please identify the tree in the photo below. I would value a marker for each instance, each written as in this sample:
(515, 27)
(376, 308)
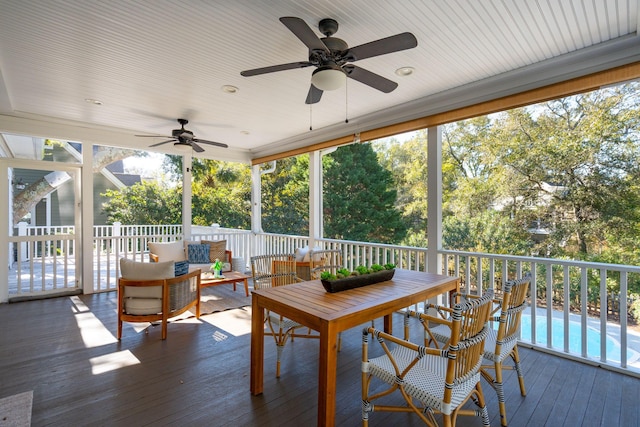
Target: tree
(221, 191)
(407, 162)
(144, 203)
(580, 156)
(359, 197)
(285, 197)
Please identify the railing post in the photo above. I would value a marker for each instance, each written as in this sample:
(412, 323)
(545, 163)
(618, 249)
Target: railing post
(116, 232)
(22, 246)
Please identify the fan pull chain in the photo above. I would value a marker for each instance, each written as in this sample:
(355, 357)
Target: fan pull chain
(346, 102)
(310, 117)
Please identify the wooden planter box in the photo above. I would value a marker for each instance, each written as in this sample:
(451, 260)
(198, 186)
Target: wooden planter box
(352, 282)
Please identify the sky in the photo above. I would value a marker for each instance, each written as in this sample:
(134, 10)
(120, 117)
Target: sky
(148, 167)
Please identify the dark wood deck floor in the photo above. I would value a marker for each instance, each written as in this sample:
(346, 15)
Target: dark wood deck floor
(64, 350)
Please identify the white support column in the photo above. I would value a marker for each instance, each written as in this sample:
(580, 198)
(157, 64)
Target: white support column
(315, 197)
(256, 199)
(84, 217)
(434, 198)
(187, 162)
(5, 232)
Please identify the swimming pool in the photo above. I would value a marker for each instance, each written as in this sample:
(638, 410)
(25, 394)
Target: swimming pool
(557, 338)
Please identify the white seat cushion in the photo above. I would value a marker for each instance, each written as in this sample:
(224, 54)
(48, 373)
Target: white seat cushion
(301, 253)
(142, 306)
(307, 255)
(144, 300)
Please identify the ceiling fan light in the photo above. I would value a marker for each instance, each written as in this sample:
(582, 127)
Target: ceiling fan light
(328, 77)
(183, 147)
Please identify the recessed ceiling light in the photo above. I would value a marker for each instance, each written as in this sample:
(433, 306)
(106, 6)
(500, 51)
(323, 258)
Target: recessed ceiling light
(230, 89)
(93, 101)
(405, 71)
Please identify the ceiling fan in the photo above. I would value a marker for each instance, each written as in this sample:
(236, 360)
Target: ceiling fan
(332, 56)
(183, 138)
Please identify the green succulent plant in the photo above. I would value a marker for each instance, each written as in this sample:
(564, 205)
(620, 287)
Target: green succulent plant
(360, 270)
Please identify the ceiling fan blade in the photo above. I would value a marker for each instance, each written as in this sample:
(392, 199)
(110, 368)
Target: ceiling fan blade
(163, 142)
(374, 80)
(391, 44)
(314, 95)
(274, 68)
(153, 136)
(196, 147)
(306, 35)
(204, 141)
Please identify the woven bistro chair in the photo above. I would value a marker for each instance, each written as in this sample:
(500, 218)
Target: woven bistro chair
(431, 381)
(502, 342)
(324, 260)
(270, 271)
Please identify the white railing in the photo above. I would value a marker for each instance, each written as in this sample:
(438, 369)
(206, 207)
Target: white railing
(567, 309)
(240, 242)
(44, 264)
(23, 229)
(110, 246)
(571, 318)
(364, 253)
(353, 253)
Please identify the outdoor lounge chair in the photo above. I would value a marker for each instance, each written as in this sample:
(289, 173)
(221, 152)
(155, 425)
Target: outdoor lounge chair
(150, 292)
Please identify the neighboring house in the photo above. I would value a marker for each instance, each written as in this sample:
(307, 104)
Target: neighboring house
(541, 227)
(57, 208)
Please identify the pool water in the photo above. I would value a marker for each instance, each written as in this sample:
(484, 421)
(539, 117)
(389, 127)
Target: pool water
(557, 338)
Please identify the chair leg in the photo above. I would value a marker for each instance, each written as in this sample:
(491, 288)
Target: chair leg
(497, 384)
(483, 407)
(366, 408)
(119, 328)
(279, 349)
(516, 361)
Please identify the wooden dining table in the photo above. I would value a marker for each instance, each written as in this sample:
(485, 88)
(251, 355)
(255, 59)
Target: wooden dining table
(330, 313)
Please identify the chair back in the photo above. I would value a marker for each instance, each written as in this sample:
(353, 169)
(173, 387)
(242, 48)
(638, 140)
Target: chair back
(514, 301)
(273, 270)
(324, 260)
(469, 329)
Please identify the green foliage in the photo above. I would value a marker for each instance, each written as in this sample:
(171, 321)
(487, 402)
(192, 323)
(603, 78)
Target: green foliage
(285, 197)
(568, 168)
(359, 197)
(360, 270)
(221, 193)
(144, 203)
(634, 310)
(343, 272)
(327, 275)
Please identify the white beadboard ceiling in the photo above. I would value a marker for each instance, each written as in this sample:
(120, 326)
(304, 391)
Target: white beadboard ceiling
(151, 62)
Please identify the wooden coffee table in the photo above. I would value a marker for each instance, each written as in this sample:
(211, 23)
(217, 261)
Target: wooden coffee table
(206, 279)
